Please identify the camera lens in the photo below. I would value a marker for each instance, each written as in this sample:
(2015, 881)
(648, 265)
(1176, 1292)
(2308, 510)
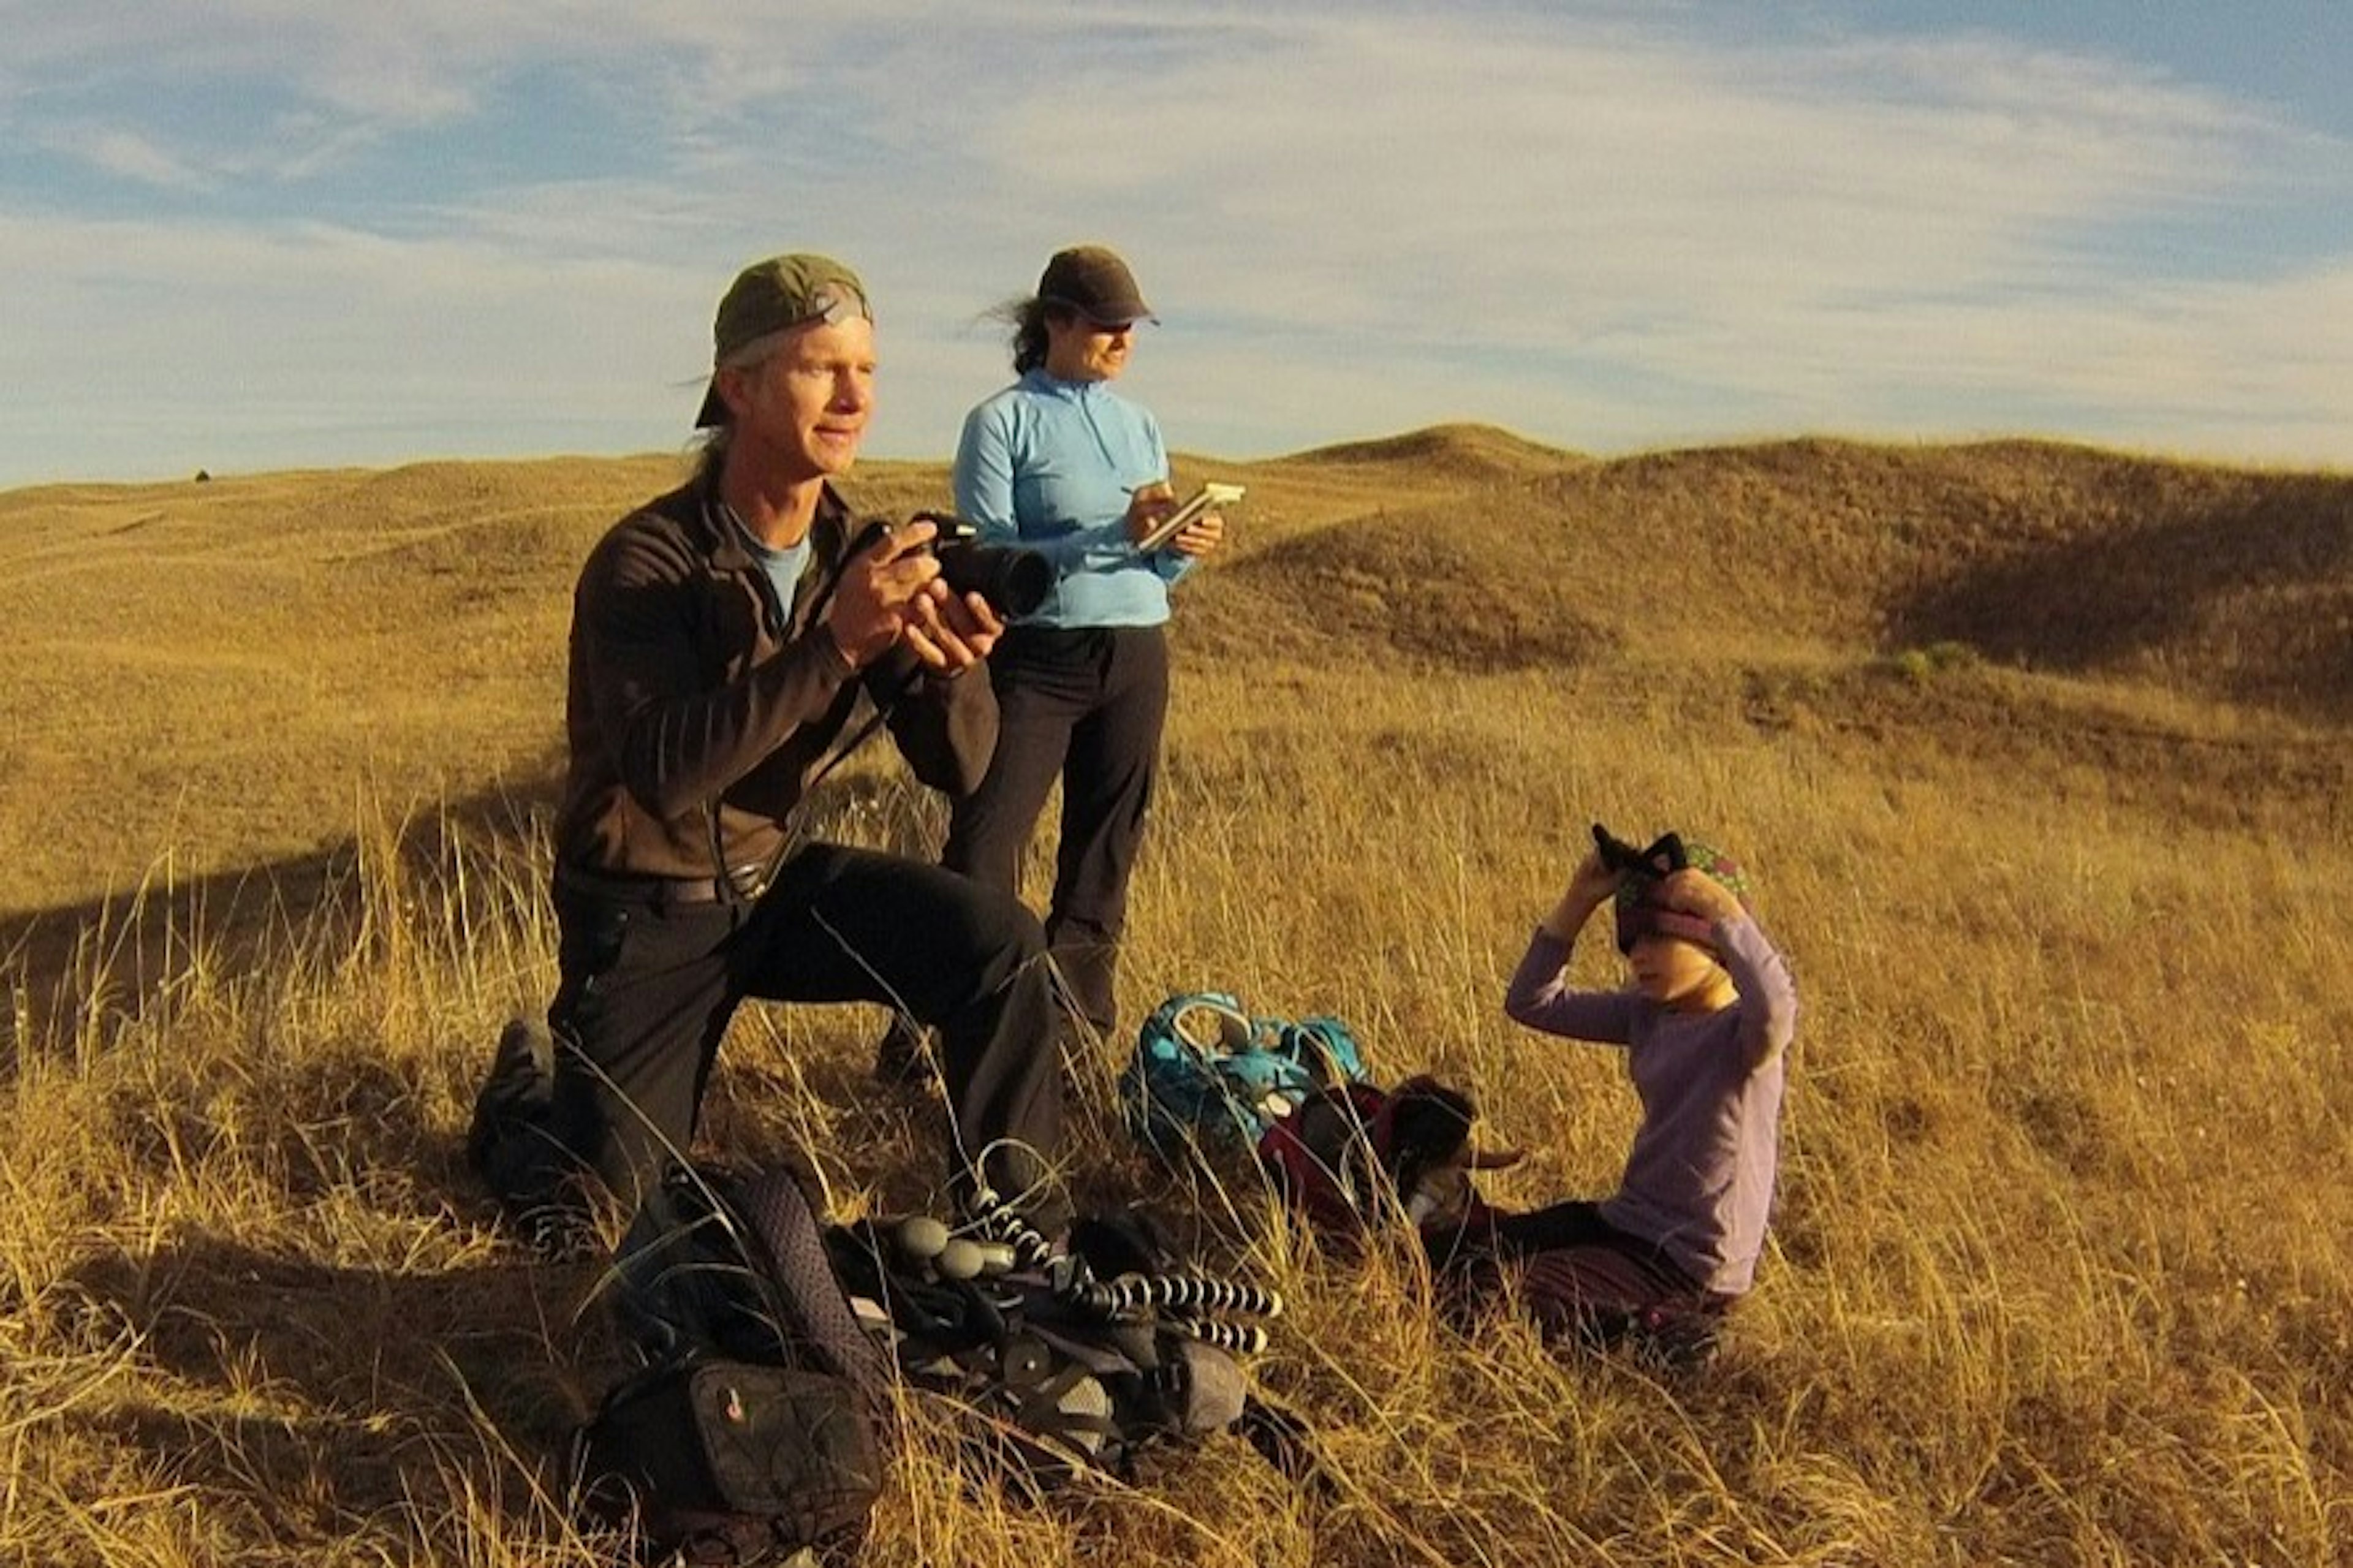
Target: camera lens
(1015, 581)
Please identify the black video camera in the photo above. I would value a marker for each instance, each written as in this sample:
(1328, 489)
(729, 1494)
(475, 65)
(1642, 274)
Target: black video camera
(1014, 581)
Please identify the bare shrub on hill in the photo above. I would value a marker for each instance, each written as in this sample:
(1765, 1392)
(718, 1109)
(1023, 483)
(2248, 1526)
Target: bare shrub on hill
(896, 490)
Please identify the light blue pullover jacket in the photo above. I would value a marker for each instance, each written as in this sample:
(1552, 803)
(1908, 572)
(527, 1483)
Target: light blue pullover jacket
(1049, 465)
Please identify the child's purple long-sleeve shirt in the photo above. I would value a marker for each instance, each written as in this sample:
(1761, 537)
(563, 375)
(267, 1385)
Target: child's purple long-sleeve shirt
(1699, 1178)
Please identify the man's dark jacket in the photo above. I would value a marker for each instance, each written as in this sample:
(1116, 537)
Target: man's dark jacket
(699, 706)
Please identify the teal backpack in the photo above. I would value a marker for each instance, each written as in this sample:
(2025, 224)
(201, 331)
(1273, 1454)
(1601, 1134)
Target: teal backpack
(1208, 1075)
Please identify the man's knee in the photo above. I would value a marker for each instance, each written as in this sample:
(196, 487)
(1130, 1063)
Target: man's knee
(621, 1129)
(1009, 941)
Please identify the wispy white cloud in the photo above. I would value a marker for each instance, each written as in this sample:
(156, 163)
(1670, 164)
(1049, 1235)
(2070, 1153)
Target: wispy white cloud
(1644, 170)
(127, 154)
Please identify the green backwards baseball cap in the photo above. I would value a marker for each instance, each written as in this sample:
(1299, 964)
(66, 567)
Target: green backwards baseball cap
(772, 297)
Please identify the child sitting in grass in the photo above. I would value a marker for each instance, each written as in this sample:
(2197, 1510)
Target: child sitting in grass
(1705, 1019)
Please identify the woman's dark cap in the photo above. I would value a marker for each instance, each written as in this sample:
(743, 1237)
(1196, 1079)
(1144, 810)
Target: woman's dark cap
(1093, 280)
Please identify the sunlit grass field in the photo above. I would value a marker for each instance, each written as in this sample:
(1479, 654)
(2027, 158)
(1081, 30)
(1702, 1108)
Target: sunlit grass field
(2038, 757)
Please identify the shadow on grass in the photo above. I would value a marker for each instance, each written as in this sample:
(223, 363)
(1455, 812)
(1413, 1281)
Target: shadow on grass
(71, 974)
(320, 1398)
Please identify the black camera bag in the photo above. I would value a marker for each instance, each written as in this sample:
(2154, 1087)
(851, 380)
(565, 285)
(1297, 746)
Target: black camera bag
(753, 1430)
(728, 1462)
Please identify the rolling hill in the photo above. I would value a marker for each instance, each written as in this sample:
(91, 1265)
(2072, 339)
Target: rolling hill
(223, 653)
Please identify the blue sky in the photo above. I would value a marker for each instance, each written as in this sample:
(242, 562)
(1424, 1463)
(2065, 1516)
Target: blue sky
(260, 234)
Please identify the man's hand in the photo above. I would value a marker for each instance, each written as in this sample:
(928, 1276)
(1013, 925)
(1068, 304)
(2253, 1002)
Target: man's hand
(952, 633)
(891, 591)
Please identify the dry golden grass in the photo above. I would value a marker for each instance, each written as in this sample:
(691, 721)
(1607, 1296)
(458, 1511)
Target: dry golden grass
(2038, 755)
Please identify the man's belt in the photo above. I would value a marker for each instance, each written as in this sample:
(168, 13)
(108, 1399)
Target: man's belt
(742, 885)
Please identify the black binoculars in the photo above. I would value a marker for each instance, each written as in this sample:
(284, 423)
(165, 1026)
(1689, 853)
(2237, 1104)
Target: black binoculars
(1663, 858)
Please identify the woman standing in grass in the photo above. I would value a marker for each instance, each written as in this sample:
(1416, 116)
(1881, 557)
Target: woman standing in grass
(1059, 464)
(1705, 1021)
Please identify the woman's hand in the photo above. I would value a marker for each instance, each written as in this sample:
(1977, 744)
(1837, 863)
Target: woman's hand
(1146, 506)
(1201, 535)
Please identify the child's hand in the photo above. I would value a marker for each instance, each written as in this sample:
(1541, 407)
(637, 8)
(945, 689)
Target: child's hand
(1592, 882)
(1695, 892)
(1587, 891)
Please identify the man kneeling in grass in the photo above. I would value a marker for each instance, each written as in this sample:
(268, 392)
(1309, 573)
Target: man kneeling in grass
(731, 641)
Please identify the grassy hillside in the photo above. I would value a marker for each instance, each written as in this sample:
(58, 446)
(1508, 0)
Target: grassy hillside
(2038, 755)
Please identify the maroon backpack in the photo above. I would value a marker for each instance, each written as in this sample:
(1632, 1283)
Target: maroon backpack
(1355, 1155)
